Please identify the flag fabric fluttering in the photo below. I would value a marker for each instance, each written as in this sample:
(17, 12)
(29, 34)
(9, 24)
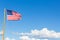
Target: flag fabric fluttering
(13, 15)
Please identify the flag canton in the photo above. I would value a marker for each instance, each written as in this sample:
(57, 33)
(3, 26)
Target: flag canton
(9, 12)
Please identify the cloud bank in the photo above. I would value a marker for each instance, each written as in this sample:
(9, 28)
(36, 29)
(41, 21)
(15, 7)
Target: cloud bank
(43, 33)
(28, 38)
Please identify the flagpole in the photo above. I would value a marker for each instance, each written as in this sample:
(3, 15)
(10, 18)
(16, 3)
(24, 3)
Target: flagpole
(4, 24)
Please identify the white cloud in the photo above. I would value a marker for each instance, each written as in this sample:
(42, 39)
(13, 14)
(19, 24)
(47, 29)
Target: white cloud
(28, 38)
(7, 38)
(43, 33)
(24, 38)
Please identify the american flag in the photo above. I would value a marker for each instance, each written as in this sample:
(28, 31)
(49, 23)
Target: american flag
(13, 15)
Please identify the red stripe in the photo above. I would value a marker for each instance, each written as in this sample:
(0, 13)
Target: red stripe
(15, 16)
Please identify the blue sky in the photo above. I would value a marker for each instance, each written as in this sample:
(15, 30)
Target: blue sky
(36, 14)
